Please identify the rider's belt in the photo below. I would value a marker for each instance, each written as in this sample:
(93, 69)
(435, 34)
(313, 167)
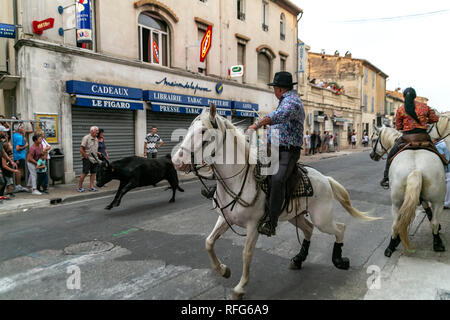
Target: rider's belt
(289, 148)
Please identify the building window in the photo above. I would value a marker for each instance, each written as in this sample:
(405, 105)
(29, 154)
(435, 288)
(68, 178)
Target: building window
(365, 75)
(381, 107)
(365, 103)
(282, 63)
(265, 15)
(241, 57)
(154, 39)
(89, 45)
(264, 66)
(381, 83)
(241, 9)
(373, 79)
(282, 27)
(373, 104)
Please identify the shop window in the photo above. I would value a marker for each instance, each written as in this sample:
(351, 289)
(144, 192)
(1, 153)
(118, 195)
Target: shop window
(265, 15)
(264, 66)
(154, 40)
(241, 9)
(282, 27)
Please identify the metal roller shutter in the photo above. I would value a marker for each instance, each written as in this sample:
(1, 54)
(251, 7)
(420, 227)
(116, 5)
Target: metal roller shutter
(119, 132)
(166, 124)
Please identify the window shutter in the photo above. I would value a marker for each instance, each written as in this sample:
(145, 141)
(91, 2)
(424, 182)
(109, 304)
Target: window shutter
(263, 68)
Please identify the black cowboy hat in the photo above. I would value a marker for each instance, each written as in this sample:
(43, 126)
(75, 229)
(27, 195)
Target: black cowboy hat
(282, 79)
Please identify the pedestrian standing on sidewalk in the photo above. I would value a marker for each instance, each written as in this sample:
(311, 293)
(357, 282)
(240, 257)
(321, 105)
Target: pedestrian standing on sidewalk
(9, 169)
(313, 143)
(307, 143)
(365, 139)
(336, 142)
(152, 143)
(318, 143)
(101, 144)
(89, 153)
(34, 154)
(353, 137)
(330, 143)
(20, 145)
(42, 176)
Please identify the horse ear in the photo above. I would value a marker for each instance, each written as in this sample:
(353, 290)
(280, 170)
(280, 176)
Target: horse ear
(212, 112)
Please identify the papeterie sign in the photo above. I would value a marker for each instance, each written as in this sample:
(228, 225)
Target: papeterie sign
(205, 45)
(7, 31)
(40, 26)
(84, 25)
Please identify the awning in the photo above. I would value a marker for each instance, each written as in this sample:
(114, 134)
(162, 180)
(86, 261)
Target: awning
(106, 102)
(185, 109)
(8, 82)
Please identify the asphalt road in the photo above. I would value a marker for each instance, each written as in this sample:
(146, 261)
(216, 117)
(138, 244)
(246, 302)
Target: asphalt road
(156, 250)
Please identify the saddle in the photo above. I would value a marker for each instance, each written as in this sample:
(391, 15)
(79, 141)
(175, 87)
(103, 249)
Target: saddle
(418, 141)
(298, 184)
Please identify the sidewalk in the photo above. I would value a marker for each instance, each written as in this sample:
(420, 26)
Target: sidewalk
(63, 193)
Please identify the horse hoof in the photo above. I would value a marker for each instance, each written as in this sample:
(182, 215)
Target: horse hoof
(237, 296)
(294, 265)
(388, 252)
(343, 263)
(171, 200)
(438, 247)
(227, 273)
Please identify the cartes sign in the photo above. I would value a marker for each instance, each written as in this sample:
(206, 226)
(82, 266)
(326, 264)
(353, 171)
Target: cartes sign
(40, 26)
(205, 45)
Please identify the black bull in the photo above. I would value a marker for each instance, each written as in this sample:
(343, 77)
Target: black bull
(133, 172)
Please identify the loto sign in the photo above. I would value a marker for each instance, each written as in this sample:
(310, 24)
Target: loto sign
(40, 26)
(205, 45)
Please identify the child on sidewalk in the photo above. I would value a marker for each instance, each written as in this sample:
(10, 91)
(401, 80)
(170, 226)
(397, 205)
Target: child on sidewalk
(41, 170)
(8, 170)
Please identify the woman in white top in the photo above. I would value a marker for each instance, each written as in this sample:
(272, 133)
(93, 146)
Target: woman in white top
(307, 143)
(45, 145)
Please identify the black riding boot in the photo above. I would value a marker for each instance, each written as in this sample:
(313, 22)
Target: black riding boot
(396, 148)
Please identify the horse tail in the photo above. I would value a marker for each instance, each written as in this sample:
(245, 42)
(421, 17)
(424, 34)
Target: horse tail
(407, 211)
(341, 195)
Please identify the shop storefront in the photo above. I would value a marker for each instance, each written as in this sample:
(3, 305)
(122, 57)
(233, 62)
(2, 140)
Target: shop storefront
(108, 107)
(244, 113)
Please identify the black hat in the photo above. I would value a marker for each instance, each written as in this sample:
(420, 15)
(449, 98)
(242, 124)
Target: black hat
(282, 79)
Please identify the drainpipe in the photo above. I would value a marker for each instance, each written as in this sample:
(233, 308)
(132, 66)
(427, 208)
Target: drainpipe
(296, 44)
(16, 68)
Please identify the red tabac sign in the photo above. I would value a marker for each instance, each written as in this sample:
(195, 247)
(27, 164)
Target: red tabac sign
(40, 26)
(205, 45)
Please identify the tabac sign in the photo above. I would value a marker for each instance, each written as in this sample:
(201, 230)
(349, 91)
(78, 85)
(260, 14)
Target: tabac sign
(205, 45)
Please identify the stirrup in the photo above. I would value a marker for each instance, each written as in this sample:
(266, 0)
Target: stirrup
(267, 229)
(385, 183)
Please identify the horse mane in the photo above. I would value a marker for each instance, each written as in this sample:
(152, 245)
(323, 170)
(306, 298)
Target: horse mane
(225, 124)
(390, 135)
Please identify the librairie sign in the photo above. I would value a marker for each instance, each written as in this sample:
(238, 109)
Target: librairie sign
(167, 97)
(40, 26)
(7, 31)
(98, 95)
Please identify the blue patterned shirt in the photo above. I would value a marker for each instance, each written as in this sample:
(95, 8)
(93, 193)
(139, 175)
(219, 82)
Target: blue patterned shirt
(288, 119)
(442, 148)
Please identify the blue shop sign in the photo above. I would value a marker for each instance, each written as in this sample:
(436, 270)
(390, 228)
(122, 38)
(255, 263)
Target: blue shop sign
(7, 31)
(167, 97)
(161, 107)
(238, 105)
(246, 114)
(108, 103)
(103, 90)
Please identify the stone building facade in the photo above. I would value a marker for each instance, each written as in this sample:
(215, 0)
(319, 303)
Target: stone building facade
(360, 79)
(143, 66)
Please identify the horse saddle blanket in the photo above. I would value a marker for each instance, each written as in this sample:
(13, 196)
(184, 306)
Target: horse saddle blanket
(419, 141)
(298, 184)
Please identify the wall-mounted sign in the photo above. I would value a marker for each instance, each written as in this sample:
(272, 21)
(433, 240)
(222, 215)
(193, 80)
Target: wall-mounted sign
(301, 57)
(219, 88)
(205, 44)
(186, 85)
(107, 103)
(48, 123)
(175, 98)
(84, 26)
(40, 26)
(155, 52)
(238, 105)
(7, 31)
(162, 107)
(236, 71)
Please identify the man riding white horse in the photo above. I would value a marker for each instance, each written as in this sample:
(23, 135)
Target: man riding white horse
(288, 119)
(412, 119)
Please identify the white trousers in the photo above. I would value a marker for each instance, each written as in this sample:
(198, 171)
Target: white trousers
(32, 178)
(447, 195)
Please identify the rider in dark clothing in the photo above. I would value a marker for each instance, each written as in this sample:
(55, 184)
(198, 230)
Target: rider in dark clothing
(412, 118)
(288, 119)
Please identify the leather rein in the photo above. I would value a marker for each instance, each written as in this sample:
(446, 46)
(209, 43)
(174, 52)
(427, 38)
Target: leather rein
(434, 125)
(381, 144)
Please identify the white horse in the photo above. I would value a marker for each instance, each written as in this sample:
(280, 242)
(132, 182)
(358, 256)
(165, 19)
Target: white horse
(415, 177)
(249, 206)
(441, 129)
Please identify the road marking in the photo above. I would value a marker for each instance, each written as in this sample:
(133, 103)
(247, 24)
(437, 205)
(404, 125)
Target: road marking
(125, 232)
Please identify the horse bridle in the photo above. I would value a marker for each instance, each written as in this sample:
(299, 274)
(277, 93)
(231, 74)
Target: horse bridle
(381, 144)
(434, 125)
